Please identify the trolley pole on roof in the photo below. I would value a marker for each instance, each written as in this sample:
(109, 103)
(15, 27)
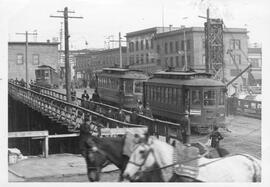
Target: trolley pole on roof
(26, 53)
(67, 65)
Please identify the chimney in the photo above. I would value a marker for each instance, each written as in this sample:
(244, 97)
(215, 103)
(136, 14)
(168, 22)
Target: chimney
(170, 26)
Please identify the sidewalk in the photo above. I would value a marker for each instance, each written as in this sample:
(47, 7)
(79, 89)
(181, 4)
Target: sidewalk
(55, 166)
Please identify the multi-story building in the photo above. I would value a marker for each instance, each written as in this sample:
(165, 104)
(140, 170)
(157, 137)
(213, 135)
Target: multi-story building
(255, 58)
(171, 49)
(39, 53)
(140, 48)
(89, 62)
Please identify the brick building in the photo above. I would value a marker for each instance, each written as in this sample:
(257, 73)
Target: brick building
(89, 62)
(39, 53)
(140, 48)
(170, 47)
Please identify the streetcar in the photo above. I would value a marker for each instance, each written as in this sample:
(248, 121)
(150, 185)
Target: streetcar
(46, 76)
(120, 87)
(173, 94)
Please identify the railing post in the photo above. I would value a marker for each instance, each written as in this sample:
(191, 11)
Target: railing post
(46, 146)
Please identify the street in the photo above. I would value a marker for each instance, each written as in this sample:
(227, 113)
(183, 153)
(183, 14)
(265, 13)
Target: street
(245, 137)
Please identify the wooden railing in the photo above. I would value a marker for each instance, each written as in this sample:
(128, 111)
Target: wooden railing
(53, 105)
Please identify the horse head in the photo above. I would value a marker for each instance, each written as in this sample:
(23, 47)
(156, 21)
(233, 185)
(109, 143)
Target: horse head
(95, 159)
(141, 159)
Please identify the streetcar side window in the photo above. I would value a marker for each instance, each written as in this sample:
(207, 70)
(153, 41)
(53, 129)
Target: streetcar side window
(138, 87)
(209, 97)
(196, 97)
(128, 86)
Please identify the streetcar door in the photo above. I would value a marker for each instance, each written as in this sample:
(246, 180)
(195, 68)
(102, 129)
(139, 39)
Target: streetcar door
(195, 101)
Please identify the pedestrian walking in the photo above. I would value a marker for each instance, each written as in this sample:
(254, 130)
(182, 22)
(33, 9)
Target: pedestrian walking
(215, 137)
(148, 111)
(121, 115)
(186, 130)
(140, 108)
(85, 95)
(95, 96)
(134, 117)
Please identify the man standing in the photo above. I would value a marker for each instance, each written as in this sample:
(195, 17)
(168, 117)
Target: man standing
(85, 95)
(95, 96)
(148, 111)
(215, 137)
(140, 108)
(186, 129)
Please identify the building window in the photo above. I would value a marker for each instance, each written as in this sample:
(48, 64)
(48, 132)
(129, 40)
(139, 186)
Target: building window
(35, 59)
(203, 59)
(146, 44)
(141, 44)
(166, 48)
(147, 58)
(137, 45)
(203, 43)
(235, 44)
(182, 61)
(176, 46)
(177, 61)
(188, 45)
(137, 59)
(131, 60)
(236, 58)
(158, 48)
(183, 45)
(171, 61)
(19, 58)
(142, 58)
(171, 47)
(188, 59)
(152, 43)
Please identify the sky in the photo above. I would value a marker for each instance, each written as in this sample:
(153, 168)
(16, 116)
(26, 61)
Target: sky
(102, 18)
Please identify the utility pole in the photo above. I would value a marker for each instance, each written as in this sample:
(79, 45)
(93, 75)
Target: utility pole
(26, 53)
(67, 65)
(185, 50)
(120, 49)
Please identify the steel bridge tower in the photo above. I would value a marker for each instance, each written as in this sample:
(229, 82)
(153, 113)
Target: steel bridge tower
(214, 53)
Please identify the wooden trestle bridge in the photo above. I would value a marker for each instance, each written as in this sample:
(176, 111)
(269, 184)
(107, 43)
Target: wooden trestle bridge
(53, 105)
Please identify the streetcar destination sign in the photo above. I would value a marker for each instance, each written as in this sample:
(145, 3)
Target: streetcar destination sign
(122, 131)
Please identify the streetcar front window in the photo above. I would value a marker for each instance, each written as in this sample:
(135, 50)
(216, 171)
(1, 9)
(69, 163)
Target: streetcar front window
(138, 87)
(196, 97)
(221, 98)
(46, 74)
(209, 98)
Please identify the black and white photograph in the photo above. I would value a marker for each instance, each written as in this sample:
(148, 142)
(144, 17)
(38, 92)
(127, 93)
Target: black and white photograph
(110, 91)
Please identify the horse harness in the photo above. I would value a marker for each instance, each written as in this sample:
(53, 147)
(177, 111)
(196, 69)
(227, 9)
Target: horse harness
(175, 164)
(94, 150)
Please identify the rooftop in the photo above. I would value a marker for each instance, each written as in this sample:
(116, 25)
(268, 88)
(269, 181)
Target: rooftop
(34, 43)
(198, 29)
(151, 30)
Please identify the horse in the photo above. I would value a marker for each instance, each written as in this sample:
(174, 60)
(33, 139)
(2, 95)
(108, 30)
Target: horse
(101, 150)
(151, 152)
